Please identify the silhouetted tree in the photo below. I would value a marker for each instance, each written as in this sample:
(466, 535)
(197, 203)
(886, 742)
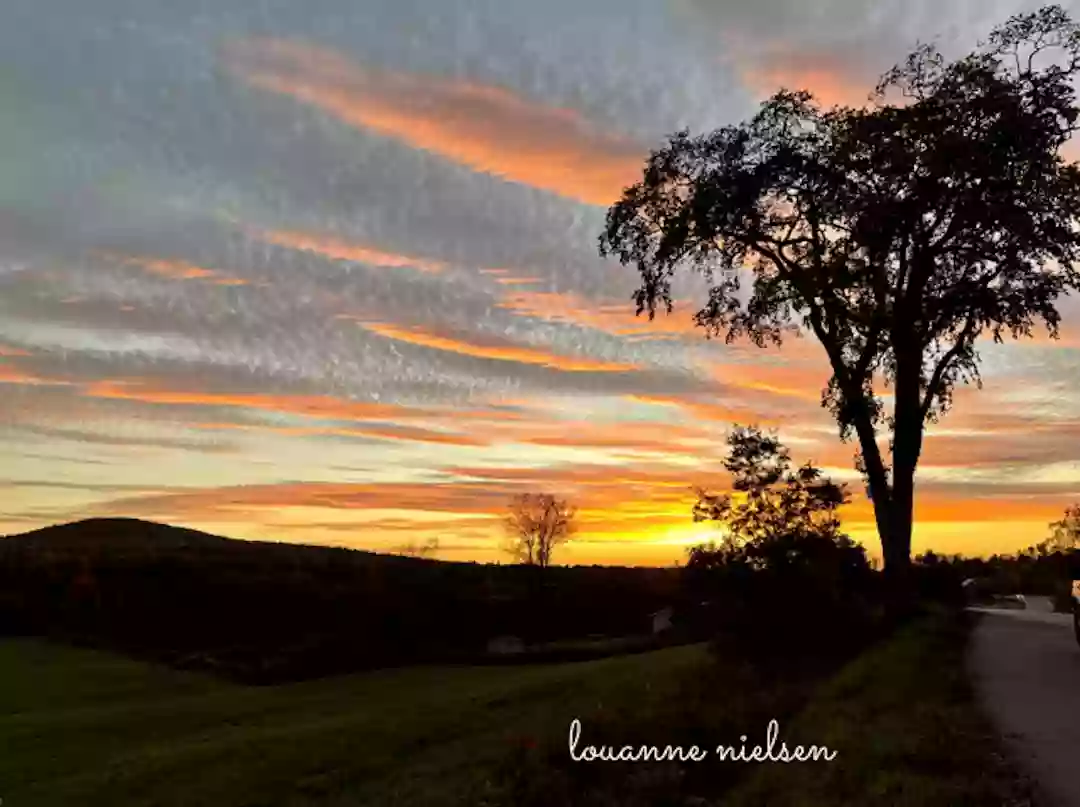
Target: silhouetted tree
(535, 525)
(783, 575)
(428, 549)
(782, 518)
(897, 234)
(1065, 533)
(777, 500)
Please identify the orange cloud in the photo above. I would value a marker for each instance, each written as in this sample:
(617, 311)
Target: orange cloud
(315, 406)
(319, 407)
(712, 412)
(601, 485)
(512, 353)
(788, 380)
(174, 269)
(338, 249)
(381, 432)
(13, 375)
(617, 319)
(613, 437)
(827, 76)
(484, 127)
(180, 270)
(206, 503)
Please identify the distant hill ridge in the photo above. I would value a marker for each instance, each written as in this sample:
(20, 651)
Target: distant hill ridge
(117, 534)
(133, 536)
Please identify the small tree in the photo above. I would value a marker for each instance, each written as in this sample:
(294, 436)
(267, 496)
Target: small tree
(896, 234)
(535, 525)
(1065, 534)
(784, 574)
(785, 518)
(778, 500)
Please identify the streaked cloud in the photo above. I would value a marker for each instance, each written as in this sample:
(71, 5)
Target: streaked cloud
(341, 250)
(307, 406)
(484, 127)
(11, 374)
(175, 269)
(372, 432)
(615, 317)
(505, 352)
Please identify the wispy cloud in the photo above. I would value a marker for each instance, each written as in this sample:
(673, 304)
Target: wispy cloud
(174, 269)
(501, 352)
(391, 432)
(615, 317)
(703, 409)
(486, 128)
(210, 503)
(129, 440)
(315, 406)
(10, 374)
(342, 250)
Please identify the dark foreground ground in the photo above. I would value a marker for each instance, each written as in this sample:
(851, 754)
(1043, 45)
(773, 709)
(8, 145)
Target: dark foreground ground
(83, 727)
(80, 727)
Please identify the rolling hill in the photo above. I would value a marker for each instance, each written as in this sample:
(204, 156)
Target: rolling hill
(268, 611)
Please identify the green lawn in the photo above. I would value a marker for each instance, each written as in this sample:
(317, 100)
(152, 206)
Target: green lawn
(85, 728)
(907, 730)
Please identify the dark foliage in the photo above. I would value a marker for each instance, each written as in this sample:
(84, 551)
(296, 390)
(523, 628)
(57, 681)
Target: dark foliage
(776, 499)
(795, 599)
(1035, 570)
(785, 586)
(936, 580)
(897, 234)
(270, 612)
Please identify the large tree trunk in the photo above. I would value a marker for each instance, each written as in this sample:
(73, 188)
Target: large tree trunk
(907, 446)
(877, 481)
(893, 498)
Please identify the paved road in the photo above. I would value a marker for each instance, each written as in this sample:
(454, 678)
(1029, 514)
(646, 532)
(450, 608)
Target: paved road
(1026, 668)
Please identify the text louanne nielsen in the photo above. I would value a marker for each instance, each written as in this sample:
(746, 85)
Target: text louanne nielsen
(740, 753)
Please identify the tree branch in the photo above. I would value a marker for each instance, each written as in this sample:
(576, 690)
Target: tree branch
(942, 367)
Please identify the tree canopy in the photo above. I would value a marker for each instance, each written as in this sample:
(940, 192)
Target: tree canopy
(1065, 533)
(896, 234)
(776, 500)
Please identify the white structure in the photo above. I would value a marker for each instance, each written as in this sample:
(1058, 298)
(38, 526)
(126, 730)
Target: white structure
(506, 645)
(661, 620)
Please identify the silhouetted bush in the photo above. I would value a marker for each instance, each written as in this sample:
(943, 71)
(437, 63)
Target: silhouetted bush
(936, 580)
(791, 598)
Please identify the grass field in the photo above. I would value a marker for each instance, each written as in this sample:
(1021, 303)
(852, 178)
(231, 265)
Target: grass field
(86, 728)
(904, 719)
(79, 727)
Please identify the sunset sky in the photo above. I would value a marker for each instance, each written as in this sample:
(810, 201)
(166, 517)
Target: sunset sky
(326, 272)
